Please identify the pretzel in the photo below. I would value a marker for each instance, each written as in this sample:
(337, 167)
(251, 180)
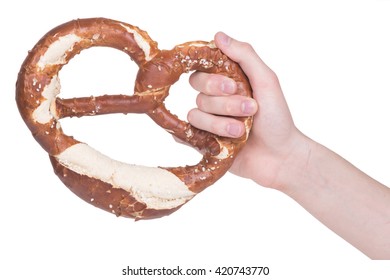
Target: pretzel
(123, 189)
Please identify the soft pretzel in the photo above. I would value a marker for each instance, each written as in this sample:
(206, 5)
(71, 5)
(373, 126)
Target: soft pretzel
(124, 189)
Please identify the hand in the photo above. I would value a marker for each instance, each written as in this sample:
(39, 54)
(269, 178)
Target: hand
(273, 137)
(279, 156)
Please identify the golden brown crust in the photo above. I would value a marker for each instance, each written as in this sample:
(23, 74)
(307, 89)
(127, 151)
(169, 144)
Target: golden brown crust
(158, 70)
(104, 196)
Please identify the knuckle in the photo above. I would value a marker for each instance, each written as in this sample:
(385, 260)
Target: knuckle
(193, 79)
(247, 47)
(272, 79)
(229, 108)
(199, 101)
(216, 126)
(190, 115)
(209, 85)
(212, 84)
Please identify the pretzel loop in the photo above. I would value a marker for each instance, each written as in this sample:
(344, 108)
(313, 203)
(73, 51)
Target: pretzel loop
(123, 189)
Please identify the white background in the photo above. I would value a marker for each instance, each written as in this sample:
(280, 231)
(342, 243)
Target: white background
(333, 61)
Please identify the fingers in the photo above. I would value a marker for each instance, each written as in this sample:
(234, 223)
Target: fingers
(214, 114)
(234, 105)
(217, 100)
(261, 77)
(223, 126)
(217, 104)
(212, 84)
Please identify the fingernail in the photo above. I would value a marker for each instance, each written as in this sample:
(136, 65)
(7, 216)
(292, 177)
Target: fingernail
(234, 130)
(249, 107)
(228, 87)
(224, 39)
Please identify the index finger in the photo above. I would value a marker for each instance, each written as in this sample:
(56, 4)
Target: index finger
(260, 76)
(213, 84)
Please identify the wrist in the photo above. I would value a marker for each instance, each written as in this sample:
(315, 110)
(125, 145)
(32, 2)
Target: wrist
(293, 168)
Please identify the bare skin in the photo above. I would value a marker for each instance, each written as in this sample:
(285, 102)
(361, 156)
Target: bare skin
(279, 156)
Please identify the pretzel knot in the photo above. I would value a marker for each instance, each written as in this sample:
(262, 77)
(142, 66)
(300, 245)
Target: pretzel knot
(126, 190)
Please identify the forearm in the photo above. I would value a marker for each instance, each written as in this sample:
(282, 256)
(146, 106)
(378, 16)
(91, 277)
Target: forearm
(343, 198)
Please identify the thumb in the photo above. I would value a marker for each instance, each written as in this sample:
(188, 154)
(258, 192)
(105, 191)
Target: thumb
(260, 76)
(273, 114)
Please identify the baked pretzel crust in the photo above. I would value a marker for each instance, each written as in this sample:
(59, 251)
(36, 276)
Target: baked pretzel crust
(118, 192)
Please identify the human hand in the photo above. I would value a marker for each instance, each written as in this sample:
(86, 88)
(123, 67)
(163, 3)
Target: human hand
(279, 156)
(274, 139)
